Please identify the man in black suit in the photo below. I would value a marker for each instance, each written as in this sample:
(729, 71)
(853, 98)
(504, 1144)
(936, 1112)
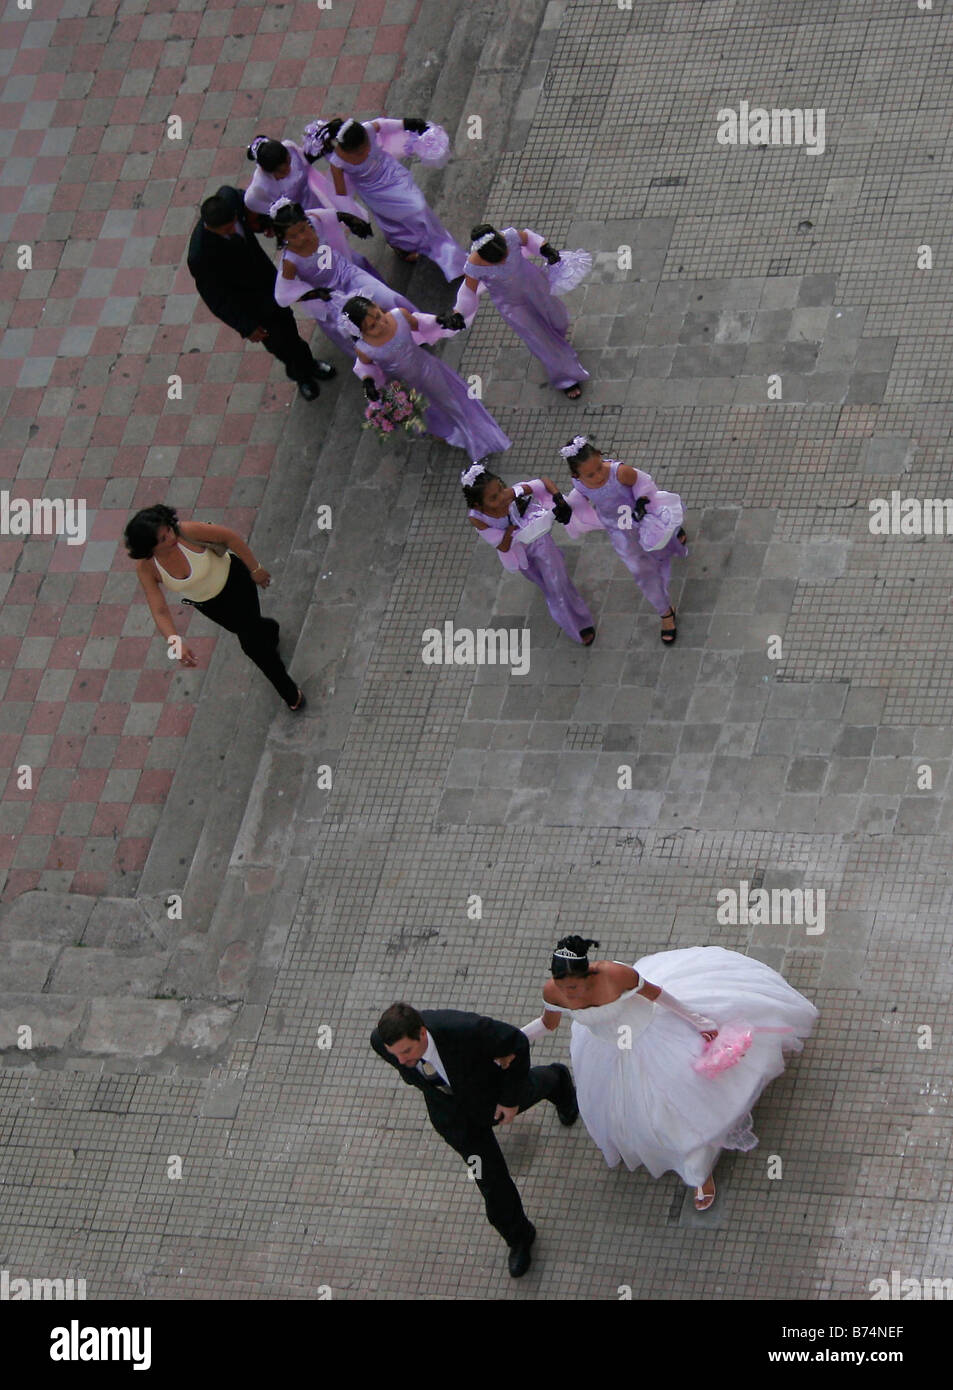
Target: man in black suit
(236, 279)
(475, 1073)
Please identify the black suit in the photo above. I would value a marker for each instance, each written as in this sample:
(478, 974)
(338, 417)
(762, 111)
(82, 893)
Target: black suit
(236, 279)
(467, 1044)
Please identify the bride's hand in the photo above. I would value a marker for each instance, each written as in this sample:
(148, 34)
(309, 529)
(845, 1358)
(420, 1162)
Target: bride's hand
(711, 1035)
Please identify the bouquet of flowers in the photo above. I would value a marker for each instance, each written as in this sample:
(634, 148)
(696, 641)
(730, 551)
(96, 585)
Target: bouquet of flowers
(397, 407)
(728, 1048)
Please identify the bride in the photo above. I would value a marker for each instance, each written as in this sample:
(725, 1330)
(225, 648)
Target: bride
(633, 1047)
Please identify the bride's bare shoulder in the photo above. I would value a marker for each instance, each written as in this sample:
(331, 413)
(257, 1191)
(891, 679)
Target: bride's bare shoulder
(552, 993)
(622, 975)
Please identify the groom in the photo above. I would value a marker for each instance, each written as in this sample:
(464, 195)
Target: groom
(475, 1073)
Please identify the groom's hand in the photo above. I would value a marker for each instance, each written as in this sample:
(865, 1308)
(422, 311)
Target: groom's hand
(505, 1061)
(506, 1114)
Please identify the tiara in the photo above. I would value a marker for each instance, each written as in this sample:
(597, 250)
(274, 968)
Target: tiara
(257, 143)
(572, 449)
(564, 953)
(346, 126)
(278, 204)
(468, 478)
(487, 236)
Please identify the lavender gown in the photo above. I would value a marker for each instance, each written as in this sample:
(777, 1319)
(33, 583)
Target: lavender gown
(650, 571)
(542, 562)
(393, 197)
(302, 184)
(345, 277)
(450, 413)
(522, 295)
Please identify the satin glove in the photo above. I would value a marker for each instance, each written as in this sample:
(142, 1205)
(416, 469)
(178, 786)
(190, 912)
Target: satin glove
(561, 509)
(357, 225)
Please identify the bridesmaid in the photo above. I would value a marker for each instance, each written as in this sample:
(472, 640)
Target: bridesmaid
(389, 190)
(319, 271)
(617, 491)
(499, 513)
(522, 295)
(387, 351)
(282, 171)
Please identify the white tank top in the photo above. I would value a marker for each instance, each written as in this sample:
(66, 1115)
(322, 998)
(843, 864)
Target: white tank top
(206, 578)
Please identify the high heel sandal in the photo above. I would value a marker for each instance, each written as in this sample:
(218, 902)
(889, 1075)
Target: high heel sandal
(703, 1199)
(669, 634)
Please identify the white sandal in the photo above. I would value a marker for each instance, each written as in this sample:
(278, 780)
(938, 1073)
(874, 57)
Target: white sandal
(703, 1199)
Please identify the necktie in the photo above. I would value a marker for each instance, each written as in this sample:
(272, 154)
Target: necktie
(433, 1076)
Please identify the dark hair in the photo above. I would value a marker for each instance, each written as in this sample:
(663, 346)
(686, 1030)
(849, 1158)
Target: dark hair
(286, 217)
(217, 211)
(357, 309)
(142, 531)
(587, 451)
(269, 156)
(494, 251)
(578, 968)
(474, 493)
(399, 1021)
(354, 136)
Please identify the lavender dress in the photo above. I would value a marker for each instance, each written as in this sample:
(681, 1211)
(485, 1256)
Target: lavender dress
(346, 275)
(393, 197)
(650, 571)
(542, 562)
(521, 293)
(450, 413)
(302, 184)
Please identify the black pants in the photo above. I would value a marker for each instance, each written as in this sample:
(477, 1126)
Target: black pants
(285, 342)
(504, 1210)
(237, 609)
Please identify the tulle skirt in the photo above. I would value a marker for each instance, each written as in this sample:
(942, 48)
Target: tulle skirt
(645, 1105)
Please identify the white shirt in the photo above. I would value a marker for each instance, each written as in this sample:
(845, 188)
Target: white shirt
(432, 1056)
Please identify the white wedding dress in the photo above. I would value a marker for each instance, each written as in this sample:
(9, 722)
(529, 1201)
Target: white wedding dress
(632, 1060)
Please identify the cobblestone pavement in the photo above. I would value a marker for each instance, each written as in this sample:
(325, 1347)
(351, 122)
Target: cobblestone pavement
(820, 761)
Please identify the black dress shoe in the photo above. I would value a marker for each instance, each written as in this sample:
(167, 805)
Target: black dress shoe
(324, 370)
(567, 1107)
(309, 389)
(296, 708)
(520, 1258)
